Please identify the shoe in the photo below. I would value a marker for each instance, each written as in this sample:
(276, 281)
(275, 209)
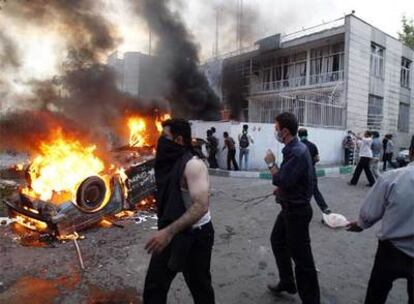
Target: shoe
(369, 185)
(281, 287)
(327, 211)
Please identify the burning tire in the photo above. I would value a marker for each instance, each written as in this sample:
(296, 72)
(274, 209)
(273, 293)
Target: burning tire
(91, 194)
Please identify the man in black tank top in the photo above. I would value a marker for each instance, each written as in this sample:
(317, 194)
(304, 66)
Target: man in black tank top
(185, 236)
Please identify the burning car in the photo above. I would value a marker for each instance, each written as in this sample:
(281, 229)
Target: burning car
(71, 187)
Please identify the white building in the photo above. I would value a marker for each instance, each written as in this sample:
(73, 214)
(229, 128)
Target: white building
(342, 75)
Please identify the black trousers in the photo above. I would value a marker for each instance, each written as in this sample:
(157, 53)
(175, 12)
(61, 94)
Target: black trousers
(212, 161)
(348, 153)
(363, 164)
(290, 241)
(390, 264)
(231, 158)
(196, 271)
(387, 158)
(317, 195)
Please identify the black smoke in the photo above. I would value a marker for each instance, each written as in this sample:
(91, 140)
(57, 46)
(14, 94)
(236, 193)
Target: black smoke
(188, 90)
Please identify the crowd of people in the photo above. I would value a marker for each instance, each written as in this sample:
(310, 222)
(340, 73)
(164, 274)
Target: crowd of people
(371, 151)
(185, 236)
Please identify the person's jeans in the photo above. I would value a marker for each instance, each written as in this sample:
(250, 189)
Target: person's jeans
(363, 164)
(317, 195)
(244, 152)
(196, 271)
(374, 167)
(348, 153)
(388, 159)
(291, 241)
(390, 264)
(231, 158)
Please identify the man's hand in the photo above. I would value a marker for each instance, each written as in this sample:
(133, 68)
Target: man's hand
(270, 157)
(353, 227)
(159, 241)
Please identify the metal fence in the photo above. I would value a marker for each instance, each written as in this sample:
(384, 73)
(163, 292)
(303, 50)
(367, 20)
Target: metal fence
(324, 109)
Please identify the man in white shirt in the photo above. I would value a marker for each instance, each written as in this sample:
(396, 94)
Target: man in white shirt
(245, 140)
(365, 155)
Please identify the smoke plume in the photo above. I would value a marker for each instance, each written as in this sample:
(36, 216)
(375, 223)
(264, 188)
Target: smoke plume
(188, 90)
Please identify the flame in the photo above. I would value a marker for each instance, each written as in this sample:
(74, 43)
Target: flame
(137, 137)
(159, 121)
(62, 165)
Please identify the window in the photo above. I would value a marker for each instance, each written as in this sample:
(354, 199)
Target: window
(375, 113)
(404, 117)
(377, 60)
(405, 72)
(327, 63)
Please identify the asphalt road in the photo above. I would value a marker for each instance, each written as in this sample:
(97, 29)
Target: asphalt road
(242, 262)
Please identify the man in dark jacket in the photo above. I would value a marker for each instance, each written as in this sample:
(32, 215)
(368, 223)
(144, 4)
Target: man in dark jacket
(185, 236)
(314, 153)
(290, 236)
(230, 144)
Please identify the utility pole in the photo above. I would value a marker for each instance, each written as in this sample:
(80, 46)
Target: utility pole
(216, 42)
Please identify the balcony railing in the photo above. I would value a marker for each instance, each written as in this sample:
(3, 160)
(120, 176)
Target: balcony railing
(298, 82)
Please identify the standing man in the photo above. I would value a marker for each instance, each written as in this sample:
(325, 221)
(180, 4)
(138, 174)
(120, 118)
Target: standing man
(376, 153)
(392, 201)
(314, 153)
(185, 236)
(212, 148)
(230, 144)
(349, 145)
(290, 236)
(388, 152)
(244, 142)
(365, 155)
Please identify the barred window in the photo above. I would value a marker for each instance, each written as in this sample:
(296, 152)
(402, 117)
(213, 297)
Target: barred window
(404, 117)
(375, 112)
(377, 61)
(405, 72)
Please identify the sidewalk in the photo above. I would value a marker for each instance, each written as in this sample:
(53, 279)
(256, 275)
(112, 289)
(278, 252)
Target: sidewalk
(320, 171)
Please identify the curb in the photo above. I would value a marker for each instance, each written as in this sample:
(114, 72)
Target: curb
(320, 172)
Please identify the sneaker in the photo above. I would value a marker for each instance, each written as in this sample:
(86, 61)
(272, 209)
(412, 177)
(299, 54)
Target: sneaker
(281, 287)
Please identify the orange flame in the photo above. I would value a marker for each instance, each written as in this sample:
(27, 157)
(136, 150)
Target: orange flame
(159, 121)
(137, 135)
(61, 166)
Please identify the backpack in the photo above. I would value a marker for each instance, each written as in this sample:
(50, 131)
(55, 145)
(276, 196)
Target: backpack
(244, 141)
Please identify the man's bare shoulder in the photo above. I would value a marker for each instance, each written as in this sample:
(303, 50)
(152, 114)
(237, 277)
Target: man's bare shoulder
(195, 167)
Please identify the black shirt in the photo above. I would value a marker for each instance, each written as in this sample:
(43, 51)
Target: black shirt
(313, 150)
(295, 178)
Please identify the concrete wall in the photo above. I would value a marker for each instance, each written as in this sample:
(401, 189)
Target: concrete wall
(329, 141)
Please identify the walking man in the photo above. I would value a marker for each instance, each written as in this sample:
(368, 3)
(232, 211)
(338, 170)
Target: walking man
(185, 236)
(365, 155)
(314, 153)
(244, 142)
(290, 236)
(230, 144)
(391, 200)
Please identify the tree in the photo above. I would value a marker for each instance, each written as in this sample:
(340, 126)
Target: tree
(407, 34)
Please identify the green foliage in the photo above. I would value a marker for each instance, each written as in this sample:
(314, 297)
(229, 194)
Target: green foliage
(407, 34)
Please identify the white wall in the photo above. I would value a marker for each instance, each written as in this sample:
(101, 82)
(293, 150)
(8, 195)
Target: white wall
(329, 141)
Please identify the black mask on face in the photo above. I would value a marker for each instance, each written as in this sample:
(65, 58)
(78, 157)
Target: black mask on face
(168, 152)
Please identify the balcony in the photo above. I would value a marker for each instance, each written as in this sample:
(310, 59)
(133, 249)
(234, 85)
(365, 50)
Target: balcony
(297, 82)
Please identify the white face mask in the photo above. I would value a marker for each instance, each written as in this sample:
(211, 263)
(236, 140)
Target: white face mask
(278, 137)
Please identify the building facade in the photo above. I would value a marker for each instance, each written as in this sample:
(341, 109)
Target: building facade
(345, 74)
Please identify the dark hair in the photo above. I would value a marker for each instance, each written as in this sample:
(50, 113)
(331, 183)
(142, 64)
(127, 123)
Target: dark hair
(209, 132)
(375, 134)
(245, 127)
(303, 132)
(213, 129)
(289, 121)
(225, 134)
(368, 133)
(180, 127)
